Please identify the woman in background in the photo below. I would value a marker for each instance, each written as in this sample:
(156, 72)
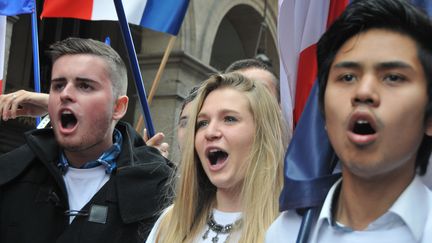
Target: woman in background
(230, 176)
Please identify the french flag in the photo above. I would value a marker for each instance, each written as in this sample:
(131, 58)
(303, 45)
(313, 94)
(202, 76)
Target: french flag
(9, 8)
(159, 15)
(309, 158)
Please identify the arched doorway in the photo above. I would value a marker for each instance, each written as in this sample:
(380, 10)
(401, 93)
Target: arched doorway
(237, 38)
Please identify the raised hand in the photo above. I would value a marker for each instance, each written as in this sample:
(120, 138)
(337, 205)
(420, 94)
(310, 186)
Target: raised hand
(23, 103)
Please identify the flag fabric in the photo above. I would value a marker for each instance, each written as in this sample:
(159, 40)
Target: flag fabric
(309, 159)
(2, 49)
(15, 7)
(300, 24)
(426, 5)
(9, 8)
(159, 15)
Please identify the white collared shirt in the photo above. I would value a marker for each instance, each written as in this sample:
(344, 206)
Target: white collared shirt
(409, 219)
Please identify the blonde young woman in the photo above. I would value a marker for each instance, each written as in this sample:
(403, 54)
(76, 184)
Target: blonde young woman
(230, 175)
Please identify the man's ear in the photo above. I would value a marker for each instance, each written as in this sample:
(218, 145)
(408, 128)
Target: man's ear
(428, 129)
(120, 107)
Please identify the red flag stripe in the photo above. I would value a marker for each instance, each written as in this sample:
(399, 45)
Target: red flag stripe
(306, 75)
(80, 9)
(307, 65)
(335, 9)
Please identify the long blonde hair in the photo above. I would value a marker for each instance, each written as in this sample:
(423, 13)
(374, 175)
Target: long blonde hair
(195, 195)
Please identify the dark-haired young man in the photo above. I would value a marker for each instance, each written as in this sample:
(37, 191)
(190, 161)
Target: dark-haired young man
(375, 76)
(90, 178)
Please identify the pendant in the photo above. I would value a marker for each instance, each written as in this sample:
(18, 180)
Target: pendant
(215, 239)
(206, 234)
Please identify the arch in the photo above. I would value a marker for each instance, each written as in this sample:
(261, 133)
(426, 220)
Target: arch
(237, 25)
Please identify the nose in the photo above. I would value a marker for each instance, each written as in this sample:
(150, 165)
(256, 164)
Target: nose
(366, 92)
(212, 131)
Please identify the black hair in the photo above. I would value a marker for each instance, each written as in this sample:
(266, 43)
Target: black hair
(395, 15)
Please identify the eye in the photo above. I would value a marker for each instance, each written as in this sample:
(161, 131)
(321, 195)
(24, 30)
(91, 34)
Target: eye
(347, 78)
(183, 122)
(394, 78)
(85, 86)
(201, 123)
(230, 119)
(56, 86)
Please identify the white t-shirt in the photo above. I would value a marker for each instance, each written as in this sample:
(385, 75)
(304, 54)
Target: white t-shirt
(222, 218)
(82, 185)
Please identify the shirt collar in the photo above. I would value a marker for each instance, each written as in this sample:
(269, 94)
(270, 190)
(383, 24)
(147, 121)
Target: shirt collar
(405, 206)
(107, 159)
(401, 212)
(326, 210)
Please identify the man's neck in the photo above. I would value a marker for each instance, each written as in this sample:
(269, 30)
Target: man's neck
(79, 158)
(363, 200)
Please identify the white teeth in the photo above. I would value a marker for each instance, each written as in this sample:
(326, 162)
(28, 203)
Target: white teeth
(213, 150)
(66, 112)
(362, 122)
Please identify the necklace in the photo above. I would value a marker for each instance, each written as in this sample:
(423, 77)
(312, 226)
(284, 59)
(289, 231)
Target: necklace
(220, 229)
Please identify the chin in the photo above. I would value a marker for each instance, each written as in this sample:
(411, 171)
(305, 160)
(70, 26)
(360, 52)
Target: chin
(367, 171)
(69, 145)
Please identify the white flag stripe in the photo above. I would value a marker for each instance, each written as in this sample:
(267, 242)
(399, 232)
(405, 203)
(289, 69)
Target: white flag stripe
(105, 10)
(285, 98)
(300, 25)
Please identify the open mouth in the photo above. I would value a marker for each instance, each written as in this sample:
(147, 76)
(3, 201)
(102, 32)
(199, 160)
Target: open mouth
(216, 156)
(68, 119)
(363, 127)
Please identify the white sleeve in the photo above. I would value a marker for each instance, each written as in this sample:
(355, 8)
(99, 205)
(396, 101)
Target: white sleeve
(284, 229)
(152, 236)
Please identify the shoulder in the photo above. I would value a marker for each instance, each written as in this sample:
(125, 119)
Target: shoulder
(14, 163)
(153, 234)
(285, 228)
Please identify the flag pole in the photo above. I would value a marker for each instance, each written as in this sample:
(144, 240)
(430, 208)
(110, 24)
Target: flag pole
(306, 225)
(157, 79)
(134, 64)
(3, 23)
(36, 66)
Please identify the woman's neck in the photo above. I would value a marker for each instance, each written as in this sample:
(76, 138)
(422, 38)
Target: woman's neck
(228, 200)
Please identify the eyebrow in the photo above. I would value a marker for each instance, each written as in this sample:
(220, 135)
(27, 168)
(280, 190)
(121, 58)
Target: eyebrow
(379, 66)
(223, 112)
(347, 65)
(393, 64)
(62, 79)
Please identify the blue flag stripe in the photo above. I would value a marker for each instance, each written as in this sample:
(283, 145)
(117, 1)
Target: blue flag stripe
(164, 17)
(15, 7)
